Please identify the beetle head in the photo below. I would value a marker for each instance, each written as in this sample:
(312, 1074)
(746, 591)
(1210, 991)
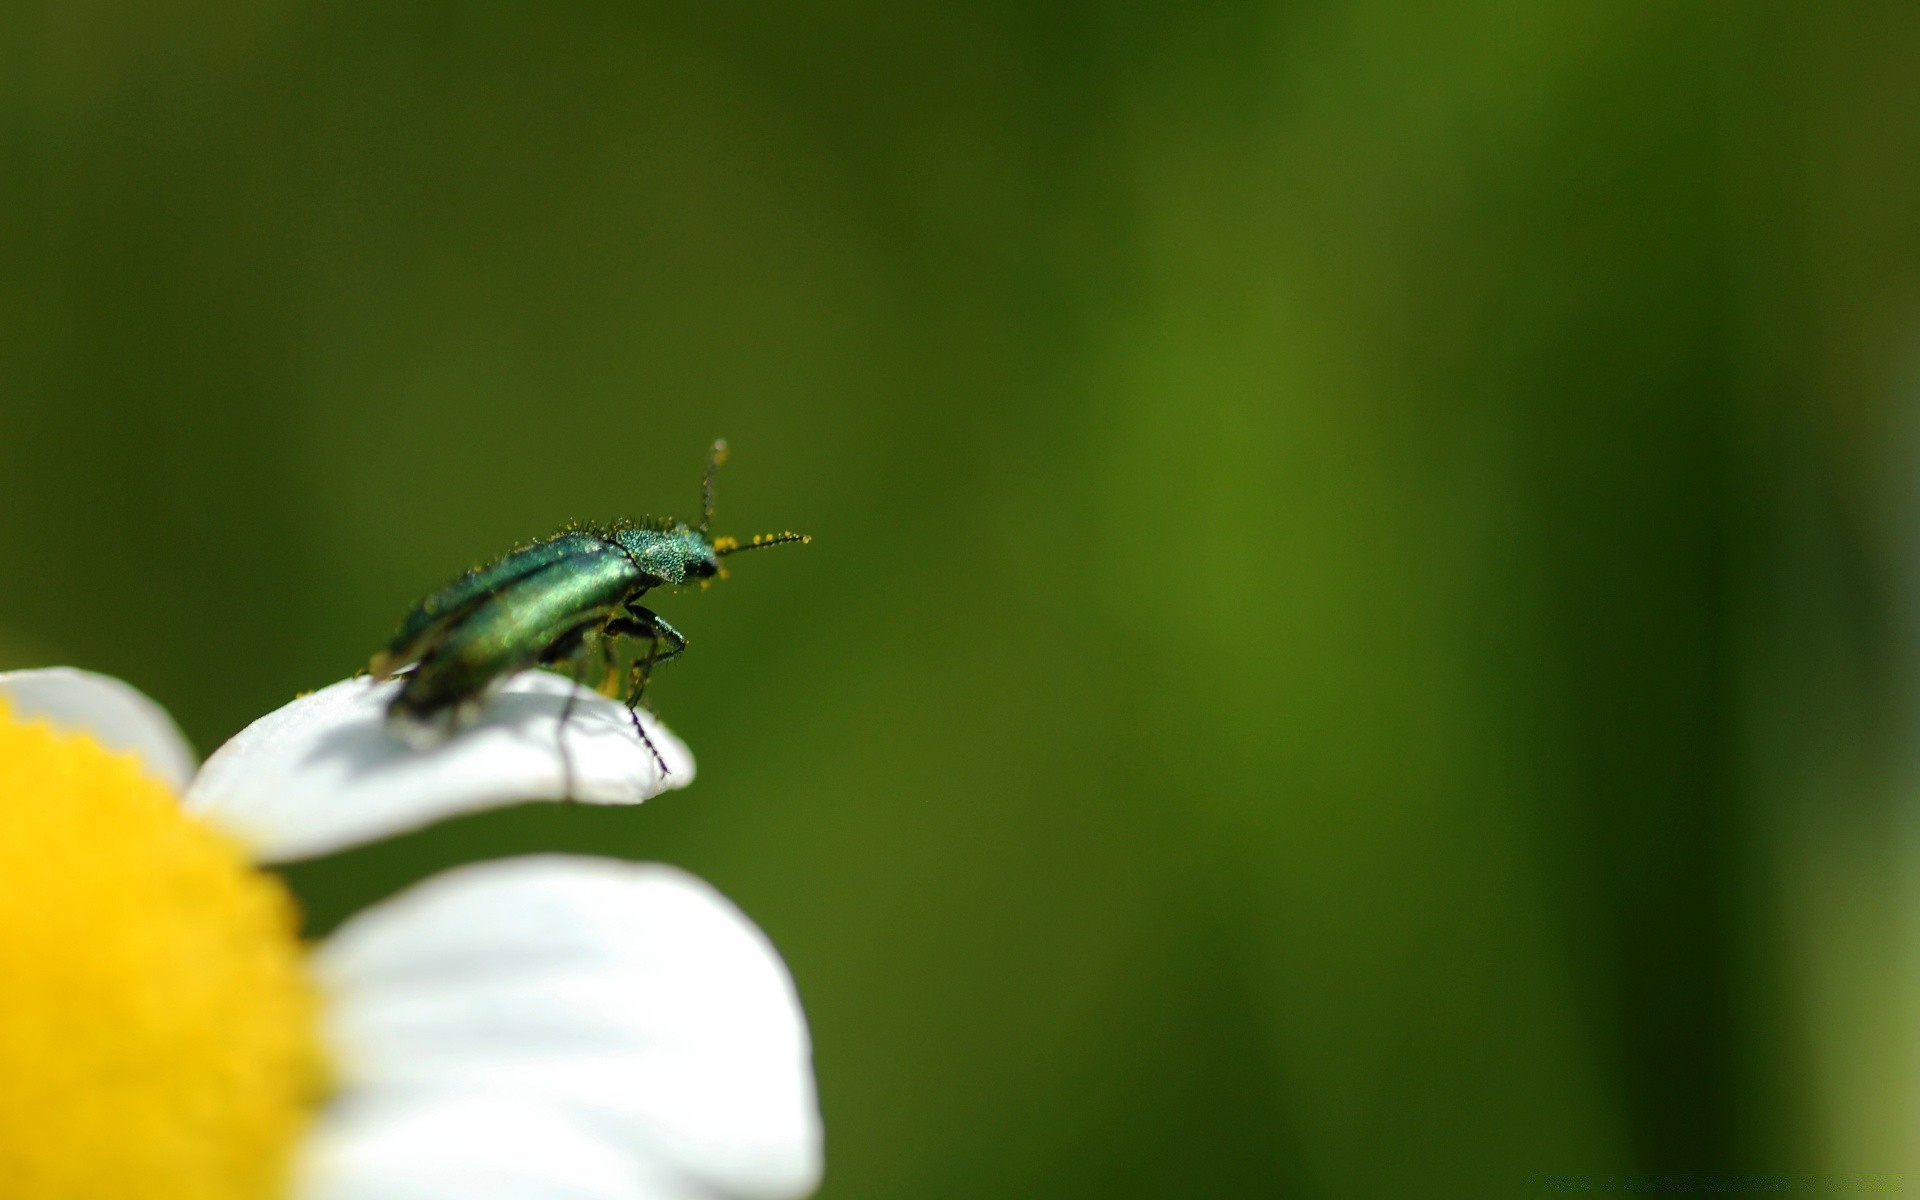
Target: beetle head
(702, 563)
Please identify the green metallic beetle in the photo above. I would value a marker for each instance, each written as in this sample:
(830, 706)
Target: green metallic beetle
(567, 600)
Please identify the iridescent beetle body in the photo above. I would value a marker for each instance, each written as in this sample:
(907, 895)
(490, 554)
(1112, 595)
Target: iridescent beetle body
(564, 601)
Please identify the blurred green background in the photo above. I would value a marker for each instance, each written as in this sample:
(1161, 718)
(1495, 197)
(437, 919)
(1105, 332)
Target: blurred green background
(1359, 633)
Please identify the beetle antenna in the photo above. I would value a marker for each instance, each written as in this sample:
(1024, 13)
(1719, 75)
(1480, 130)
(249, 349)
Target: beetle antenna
(715, 457)
(724, 546)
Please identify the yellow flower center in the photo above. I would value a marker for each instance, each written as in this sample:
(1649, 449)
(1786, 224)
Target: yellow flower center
(157, 1023)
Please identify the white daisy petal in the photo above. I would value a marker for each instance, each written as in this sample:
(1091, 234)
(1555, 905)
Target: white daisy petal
(633, 999)
(116, 713)
(325, 772)
(466, 1148)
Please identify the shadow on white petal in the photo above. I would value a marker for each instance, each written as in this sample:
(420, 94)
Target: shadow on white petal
(454, 1147)
(118, 714)
(325, 772)
(633, 999)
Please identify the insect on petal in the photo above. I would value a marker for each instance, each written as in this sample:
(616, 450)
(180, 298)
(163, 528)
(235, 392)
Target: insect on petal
(325, 772)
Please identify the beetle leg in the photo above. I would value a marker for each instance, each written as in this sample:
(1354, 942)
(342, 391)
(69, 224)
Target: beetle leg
(638, 622)
(581, 661)
(610, 663)
(659, 760)
(644, 623)
(639, 671)
(633, 708)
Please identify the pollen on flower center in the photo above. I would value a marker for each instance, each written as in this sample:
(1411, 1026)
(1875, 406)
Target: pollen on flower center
(157, 1024)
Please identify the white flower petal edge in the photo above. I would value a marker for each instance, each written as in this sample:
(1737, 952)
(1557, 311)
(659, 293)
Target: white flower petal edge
(630, 1001)
(116, 713)
(324, 772)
